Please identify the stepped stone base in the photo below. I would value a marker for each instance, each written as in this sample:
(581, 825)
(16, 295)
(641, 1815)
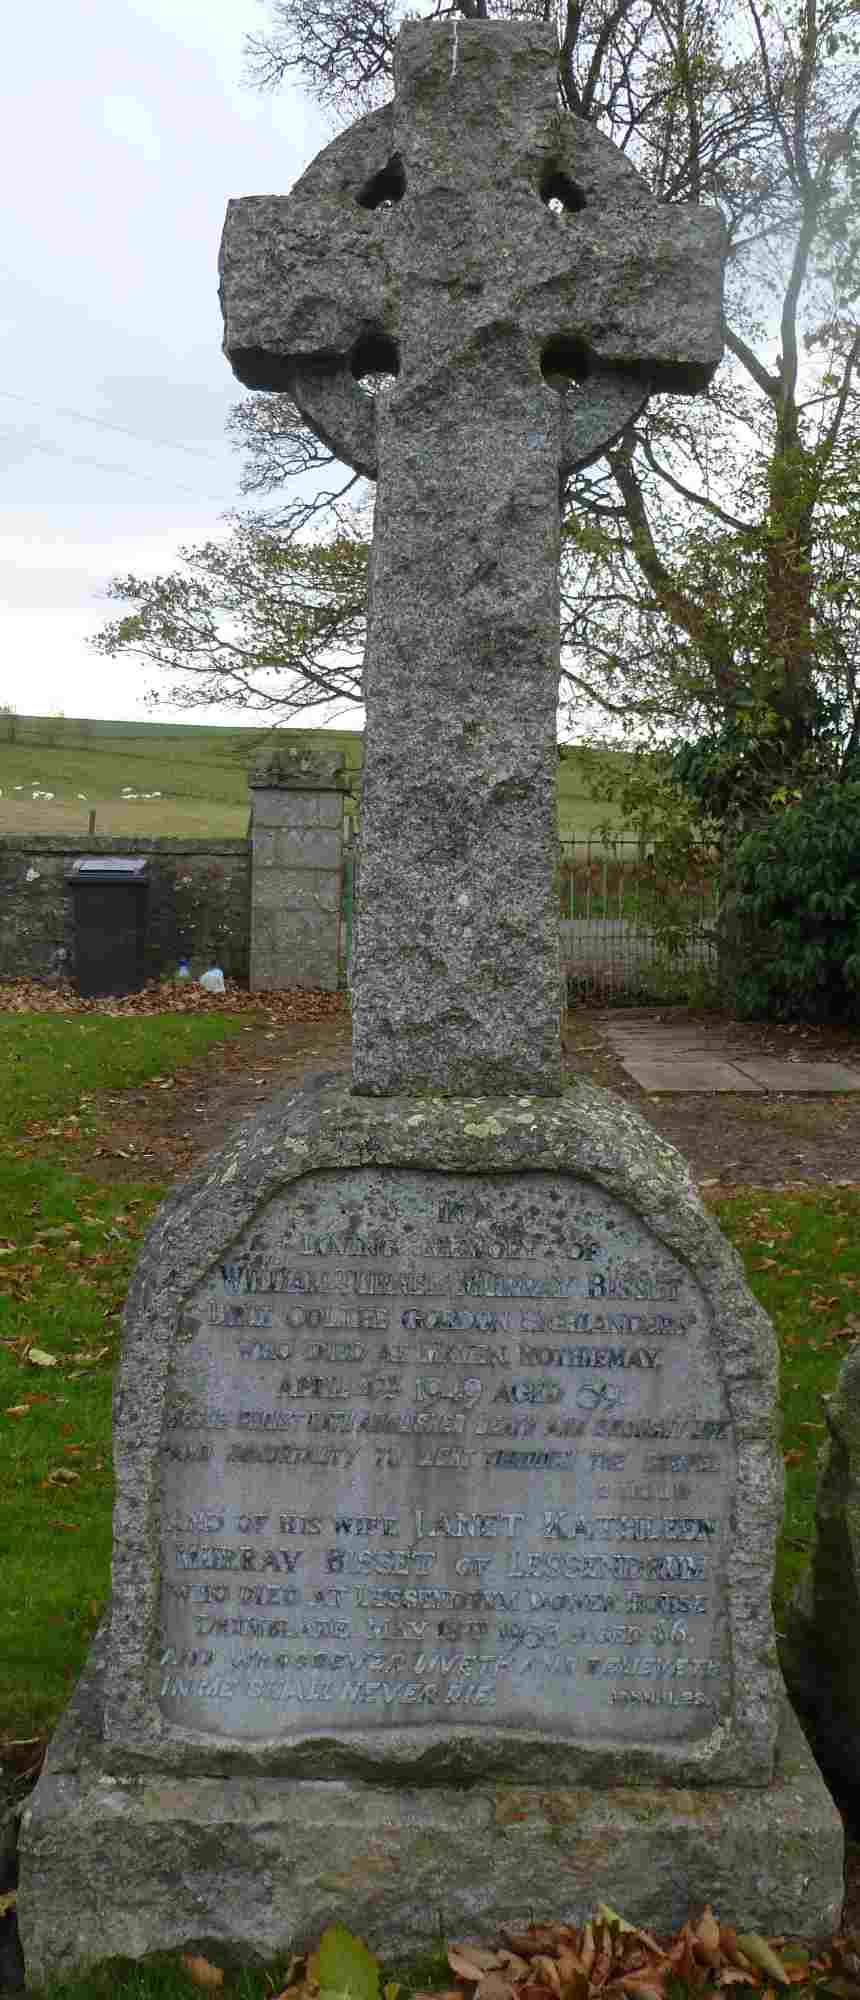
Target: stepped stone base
(245, 1867)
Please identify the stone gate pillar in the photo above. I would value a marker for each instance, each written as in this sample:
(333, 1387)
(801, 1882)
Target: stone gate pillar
(296, 855)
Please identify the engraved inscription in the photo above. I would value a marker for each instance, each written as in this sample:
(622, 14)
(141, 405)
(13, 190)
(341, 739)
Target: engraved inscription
(442, 1447)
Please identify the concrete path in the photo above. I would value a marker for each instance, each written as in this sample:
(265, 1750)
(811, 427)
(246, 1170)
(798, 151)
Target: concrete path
(666, 1056)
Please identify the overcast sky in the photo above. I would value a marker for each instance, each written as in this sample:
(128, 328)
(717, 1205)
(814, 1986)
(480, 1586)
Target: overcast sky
(125, 128)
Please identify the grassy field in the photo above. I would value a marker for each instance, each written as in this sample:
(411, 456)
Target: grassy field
(199, 774)
(200, 778)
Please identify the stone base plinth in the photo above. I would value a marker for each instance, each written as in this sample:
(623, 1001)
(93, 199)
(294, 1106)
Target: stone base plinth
(492, 1745)
(245, 1867)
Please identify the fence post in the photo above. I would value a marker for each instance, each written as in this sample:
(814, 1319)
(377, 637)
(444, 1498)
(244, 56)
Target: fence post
(296, 854)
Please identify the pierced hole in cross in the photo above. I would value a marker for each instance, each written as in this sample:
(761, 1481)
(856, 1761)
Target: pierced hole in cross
(564, 361)
(560, 194)
(375, 362)
(386, 187)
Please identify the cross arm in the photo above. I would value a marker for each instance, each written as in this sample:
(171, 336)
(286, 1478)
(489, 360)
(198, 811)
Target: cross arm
(636, 283)
(305, 286)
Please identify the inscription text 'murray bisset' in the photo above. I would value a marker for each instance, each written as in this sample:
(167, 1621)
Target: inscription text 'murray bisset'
(446, 1449)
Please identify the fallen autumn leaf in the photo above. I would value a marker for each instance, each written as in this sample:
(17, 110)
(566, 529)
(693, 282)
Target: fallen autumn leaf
(200, 1970)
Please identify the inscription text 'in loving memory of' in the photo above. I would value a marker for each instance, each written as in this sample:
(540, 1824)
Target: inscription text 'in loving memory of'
(446, 1449)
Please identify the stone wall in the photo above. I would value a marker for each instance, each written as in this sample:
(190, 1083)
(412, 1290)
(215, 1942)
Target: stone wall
(199, 900)
(297, 810)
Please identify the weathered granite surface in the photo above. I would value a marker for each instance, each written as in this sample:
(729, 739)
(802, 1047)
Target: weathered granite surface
(246, 1867)
(600, 1144)
(428, 220)
(821, 1644)
(422, 243)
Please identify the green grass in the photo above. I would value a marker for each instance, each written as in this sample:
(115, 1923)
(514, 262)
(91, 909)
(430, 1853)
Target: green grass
(67, 1245)
(163, 1978)
(51, 1065)
(802, 1257)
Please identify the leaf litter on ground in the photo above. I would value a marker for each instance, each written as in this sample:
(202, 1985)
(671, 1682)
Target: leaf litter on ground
(608, 1956)
(173, 996)
(605, 1958)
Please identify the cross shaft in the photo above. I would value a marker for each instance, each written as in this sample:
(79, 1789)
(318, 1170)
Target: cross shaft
(521, 340)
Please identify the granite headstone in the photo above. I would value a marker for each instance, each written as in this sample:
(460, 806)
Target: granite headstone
(447, 1474)
(441, 1463)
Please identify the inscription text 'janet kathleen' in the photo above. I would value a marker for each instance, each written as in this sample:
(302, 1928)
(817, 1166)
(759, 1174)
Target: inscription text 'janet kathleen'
(444, 1447)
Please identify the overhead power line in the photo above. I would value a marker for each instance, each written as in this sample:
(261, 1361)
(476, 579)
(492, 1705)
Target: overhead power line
(102, 424)
(103, 465)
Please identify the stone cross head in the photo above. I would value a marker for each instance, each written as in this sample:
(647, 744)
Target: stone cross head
(471, 213)
(510, 272)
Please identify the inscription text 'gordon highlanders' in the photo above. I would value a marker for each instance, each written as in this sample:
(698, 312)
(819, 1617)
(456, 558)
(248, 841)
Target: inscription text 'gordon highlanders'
(313, 1576)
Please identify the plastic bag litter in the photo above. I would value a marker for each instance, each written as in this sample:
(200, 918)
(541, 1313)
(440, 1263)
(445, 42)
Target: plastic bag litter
(213, 980)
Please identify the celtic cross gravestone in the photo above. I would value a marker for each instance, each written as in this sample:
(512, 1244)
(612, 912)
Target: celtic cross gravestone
(524, 291)
(447, 1475)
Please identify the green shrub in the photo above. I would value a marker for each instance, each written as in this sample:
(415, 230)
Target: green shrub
(793, 912)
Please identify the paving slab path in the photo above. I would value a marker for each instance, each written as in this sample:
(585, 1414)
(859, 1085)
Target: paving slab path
(774, 1132)
(689, 1056)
